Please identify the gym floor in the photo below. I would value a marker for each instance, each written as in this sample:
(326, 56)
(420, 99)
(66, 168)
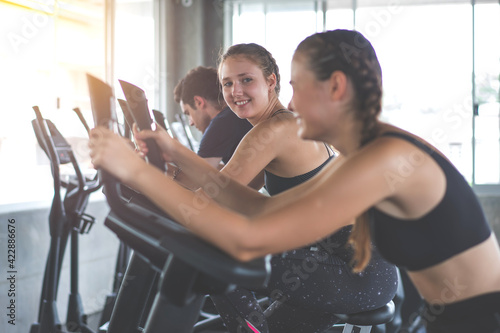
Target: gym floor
(98, 252)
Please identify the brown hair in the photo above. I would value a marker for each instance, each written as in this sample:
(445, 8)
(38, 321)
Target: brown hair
(257, 54)
(200, 81)
(350, 52)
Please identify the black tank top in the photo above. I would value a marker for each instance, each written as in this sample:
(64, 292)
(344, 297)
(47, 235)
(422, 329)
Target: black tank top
(276, 184)
(456, 224)
(335, 244)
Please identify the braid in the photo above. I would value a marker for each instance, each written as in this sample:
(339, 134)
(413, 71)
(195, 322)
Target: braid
(350, 52)
(257, 54)
(369, 94)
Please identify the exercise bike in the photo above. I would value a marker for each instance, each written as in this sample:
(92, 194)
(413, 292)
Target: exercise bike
(67, 217)
(190, 268)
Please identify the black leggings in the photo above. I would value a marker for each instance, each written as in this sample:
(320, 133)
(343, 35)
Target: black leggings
(306, 287)
(477, 314)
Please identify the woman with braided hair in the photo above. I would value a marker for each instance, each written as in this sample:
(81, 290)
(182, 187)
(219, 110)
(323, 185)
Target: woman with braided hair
(300, 301)
(402, 192)
(420, 211)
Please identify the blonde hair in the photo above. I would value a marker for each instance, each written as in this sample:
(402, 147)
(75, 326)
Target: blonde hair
(361, 242)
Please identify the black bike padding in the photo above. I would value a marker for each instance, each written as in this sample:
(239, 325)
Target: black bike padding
(378, 316)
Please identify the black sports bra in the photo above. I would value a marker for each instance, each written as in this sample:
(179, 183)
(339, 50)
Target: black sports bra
(276, 184)
(334, 244)
(456, 224)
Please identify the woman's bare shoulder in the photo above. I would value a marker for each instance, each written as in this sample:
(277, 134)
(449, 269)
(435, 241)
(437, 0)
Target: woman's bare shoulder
(275, 127)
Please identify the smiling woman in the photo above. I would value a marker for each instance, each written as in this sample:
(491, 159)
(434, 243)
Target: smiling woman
(249, 75)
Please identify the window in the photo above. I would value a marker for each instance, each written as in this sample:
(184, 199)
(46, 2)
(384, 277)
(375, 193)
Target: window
(268, 21)
(426, 72)
(48, 48)
(46, 51)
(134, 47)
(339, 15)
(429, 53)
(486, 94)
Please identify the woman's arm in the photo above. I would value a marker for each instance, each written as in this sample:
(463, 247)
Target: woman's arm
(186, 167)
(341, 194)
(257, 149)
